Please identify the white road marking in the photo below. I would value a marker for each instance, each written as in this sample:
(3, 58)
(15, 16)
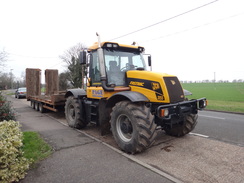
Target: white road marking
(200, 135)
(212, 117)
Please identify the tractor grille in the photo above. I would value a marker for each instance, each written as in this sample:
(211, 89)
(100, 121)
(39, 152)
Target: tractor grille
(174, 89)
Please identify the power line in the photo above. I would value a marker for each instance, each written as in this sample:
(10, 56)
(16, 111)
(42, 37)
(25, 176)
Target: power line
(165, 20)
(196, 27)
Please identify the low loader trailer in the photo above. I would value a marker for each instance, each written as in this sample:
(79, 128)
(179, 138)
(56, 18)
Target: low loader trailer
(52, 99)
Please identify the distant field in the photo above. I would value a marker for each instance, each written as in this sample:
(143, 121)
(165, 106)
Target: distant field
(221, 96)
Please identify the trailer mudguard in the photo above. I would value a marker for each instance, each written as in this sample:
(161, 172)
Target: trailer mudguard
(75, 92)
(126, 95)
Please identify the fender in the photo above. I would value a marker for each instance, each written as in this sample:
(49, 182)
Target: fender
(126, 95)
(75, 92)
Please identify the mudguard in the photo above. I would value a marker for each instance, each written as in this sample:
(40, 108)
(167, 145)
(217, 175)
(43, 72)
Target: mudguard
(126, 95)
(75, 92)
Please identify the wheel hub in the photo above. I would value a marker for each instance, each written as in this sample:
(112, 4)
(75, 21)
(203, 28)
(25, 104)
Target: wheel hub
(126, 127)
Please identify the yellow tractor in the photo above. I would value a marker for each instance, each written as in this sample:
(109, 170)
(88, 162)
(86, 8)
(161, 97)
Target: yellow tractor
(123, 97)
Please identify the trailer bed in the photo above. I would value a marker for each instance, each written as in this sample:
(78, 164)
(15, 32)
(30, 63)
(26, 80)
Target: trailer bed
(51, 102)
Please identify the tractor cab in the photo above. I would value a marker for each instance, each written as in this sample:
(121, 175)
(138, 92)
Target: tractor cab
(108, 63)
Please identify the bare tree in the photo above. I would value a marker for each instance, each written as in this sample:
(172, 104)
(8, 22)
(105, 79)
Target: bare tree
(5, 81)
(75, 70)
(3, 59)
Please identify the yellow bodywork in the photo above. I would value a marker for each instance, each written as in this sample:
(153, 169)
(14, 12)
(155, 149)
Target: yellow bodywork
(155, 79)
(145, 82)
(98, 92)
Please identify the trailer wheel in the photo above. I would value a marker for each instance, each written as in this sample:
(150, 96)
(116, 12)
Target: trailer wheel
(73, 113)
(41, 109)
(184, 128)
(132, 126)
(32, 104)
(36, 106)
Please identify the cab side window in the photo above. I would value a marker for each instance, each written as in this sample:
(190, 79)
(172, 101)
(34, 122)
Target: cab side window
(95, 70)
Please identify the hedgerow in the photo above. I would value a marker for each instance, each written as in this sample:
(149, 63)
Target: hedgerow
(13, 165)
(6, 111)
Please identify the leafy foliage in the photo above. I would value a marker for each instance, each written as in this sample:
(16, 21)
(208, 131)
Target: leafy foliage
(63, 81)
(13, 165)
(6, 110)
(75, 72)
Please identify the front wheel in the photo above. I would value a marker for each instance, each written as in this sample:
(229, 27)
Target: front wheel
(73, 113)
(181, 129)
(132, 126)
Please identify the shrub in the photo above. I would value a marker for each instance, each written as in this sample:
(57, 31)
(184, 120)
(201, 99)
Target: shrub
(6, 111)
(13, 165)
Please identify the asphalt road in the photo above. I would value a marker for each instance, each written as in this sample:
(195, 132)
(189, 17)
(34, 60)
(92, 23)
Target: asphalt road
(221, 126)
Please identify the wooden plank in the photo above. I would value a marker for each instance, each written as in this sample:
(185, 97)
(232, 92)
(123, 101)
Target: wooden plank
(51, 79)
(33, 82)
(58, 98)
(50, 108)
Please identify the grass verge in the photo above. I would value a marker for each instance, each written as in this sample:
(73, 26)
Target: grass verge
(229, 106)
(34, 147)
(221, 96)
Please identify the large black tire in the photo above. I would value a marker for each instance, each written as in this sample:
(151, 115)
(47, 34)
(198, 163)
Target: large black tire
(132, 126)
(73, 113)
(184, 128)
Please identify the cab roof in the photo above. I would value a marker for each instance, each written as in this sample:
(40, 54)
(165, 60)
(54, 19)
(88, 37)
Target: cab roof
(95, 46)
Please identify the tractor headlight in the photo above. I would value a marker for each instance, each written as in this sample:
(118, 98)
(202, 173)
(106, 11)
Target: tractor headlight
(203, 104)
(141, 49)
(164, 112)
(111, 45)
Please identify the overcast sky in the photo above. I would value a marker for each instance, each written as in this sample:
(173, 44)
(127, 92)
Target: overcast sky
(192, 46)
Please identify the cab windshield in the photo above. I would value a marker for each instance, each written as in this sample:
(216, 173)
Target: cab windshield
(118, 62)
(124, 60)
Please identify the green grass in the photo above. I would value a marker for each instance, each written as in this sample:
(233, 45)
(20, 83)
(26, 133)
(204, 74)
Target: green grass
(221, 96)
(34, 147)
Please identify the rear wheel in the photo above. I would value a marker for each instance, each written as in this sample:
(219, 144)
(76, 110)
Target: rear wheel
(73, 113)
(132, 126)
(183, 128)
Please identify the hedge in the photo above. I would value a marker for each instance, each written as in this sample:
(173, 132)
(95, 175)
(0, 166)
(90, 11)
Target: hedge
(6, 111)
(13, 165)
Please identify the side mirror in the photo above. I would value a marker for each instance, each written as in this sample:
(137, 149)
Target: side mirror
(149, 61)
(82, 57)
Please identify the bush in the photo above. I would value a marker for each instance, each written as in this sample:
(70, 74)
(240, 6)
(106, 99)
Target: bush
(6, 111)
(13, 165)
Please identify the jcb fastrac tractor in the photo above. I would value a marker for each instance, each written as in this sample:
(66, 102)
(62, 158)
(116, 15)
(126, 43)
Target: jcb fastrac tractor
(122, 96)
